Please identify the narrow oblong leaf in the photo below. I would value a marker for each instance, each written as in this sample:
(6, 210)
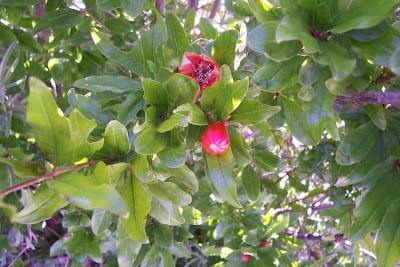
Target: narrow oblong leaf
(170, 192)
(186, 176)
(165, 212)
(250, 111)
(224, 48)
(138, 203)
(251, 183)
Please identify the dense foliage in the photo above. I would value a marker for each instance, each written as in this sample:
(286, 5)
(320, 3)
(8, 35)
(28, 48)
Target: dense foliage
(106, 106)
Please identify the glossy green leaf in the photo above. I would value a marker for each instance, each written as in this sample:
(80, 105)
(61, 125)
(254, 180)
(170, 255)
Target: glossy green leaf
(193, 216)
(108, 83)
(163, 235)
(265, 160)
(101, 40)
(108, 5)
(207, 29)
(280, 223)
(356, 145)
(337, 58)
(308, 72)
(251, 183)
(224, 48)
(44, 204)
(165, 212)
(25, 169)
(132, 8)
(297, 121)
(116, 140)
(263, 10)
(173, 121)
(174, 153)
(193, 113)
(149, 141)
(377, 115)
(83, 192)
(180, 90)
(81, 244)
(250, 111)
(262, 40)
(141, 167)
(220, 171)
(109, 174)
(130, 107)
(277, 76)
(138, 203)
(127, 248)
(155, 94)
(62, 18)
(240, 149)
(52, 129)
(19, 2)
(395, 62)
(229, 97)
(170, 192)
(364, 14)
(101, 220)
(177, 43)
(184, 175)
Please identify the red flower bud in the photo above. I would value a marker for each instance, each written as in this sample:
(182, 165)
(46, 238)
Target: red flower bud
(215, 139)
(246, 257)
(265, 243)
(201, 68)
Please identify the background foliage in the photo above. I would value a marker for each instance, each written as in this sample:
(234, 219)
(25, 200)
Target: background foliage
(100, 159)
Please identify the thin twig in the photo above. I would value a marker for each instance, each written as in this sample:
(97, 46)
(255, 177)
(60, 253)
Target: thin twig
(19, 255)
(102, 25)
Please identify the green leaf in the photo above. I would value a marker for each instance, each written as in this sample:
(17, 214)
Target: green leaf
(229, 97)
(170, 192)
(141, 167)
(181, 89)
(277, 76)
(27, 42)
(173, 121)
(364, 14)
(52, 129)
(240, 149)
(377, 115)
(108, 83)
(280, 223)
(127, 248)
(265, 160)
(148, 141)
(251, 183)
(174, 153)
(193, 135)
(295, 27)
(109, 174)
(184, 175)
(44, 204)
(116, 140)
(163, 235)
(130, 107)
(320, 110)
(190, 19)
(380, 50)
(81, 128)
(356, 145)
(89, 107)
(133, 8)
(337, 58)
(118, 26)
(219, 168)
(101, 220)
(297, 121)
(193, 113)
(82, 191)
(395, 62)
(224, 48)
(81, 244)
(108, 5)
(308, 72)
(180, 250)
(177, 43)
(138, 203)
(63, 18)
(379, 210)
(250, 111)
(262, 40)
(155, 94)
(263, 10)
(207, 29)
(19, 2)
(193, 216)
(165, 212)
(102, 42)
(25, 169)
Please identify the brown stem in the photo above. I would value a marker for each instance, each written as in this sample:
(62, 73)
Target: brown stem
(214, 9)
(314, 238)
(370, 98)
(50, 174)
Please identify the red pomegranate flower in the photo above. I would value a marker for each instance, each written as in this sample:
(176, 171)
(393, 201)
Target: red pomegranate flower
(265, 243)
(246, 257)
(215, 139)
(201, 68)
